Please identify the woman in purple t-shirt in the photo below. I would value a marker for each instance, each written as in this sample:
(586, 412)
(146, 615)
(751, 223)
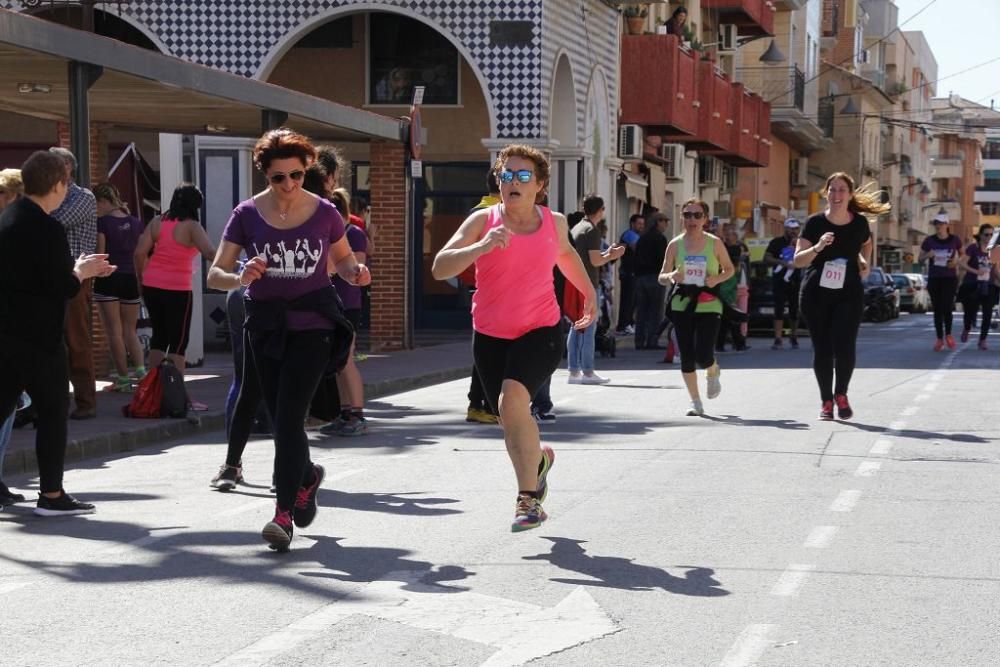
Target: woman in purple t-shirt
(117, 295)
(944, 250)
(294, 240)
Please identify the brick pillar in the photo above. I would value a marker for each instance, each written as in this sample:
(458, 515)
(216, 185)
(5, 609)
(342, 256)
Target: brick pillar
(98, 174)
(390, 284)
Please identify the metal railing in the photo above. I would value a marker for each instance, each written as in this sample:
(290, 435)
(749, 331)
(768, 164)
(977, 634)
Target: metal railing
(783, 87)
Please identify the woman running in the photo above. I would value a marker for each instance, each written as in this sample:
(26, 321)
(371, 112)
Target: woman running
(518, 341)
(978, 290)
(944, 250)
(293, 332)
(696, 263)
(835, 249)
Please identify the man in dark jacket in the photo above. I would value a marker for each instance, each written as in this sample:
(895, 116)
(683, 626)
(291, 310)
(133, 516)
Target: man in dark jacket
(38, 280)
(649, 293)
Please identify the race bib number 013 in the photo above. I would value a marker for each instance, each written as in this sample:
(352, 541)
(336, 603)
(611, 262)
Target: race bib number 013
(834, 273)
(695, 268)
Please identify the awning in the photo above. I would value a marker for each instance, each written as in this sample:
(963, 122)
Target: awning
(635, 186)
(143, 90)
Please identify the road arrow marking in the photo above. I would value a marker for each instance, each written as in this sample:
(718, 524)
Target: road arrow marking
(522, 631)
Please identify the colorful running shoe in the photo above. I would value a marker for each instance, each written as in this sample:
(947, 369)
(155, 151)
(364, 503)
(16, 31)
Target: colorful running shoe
(844, 410)
(826, 411)
(548, 458)
(278, 531)
(528, 514)
(305, 500)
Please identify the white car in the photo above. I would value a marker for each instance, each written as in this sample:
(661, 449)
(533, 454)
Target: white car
(921, 298)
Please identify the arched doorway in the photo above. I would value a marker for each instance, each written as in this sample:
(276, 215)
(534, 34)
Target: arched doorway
(597, 137)
(564, 191)
(106, 24)
(373, 60)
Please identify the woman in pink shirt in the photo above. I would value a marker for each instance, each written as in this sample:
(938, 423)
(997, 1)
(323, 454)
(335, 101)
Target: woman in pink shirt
(518, 341)
(175, 240)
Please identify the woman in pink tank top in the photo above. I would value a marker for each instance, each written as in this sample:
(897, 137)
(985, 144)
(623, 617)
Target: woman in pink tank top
(518, 341)
(165, 276)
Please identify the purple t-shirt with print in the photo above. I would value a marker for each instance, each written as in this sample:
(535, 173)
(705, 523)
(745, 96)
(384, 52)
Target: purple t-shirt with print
(296, 258)
(350, 294)
(942, 250)
(121, 236)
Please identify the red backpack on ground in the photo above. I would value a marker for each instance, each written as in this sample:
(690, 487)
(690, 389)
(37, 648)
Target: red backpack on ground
(148, 395)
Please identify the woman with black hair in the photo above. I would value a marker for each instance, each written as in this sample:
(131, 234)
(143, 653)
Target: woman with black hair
(675, 24)
(174, 239)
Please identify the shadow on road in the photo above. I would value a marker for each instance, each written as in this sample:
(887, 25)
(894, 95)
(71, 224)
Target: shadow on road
(624, 574)
(733, 420)
(392, 503)
(918, 434)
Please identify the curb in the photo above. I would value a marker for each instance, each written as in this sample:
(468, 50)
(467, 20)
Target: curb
(23, 462)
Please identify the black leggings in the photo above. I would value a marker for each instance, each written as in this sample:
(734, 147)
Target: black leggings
(833, 322)
(170, 315)
(972, 300)
(44, 375)
(942, 291)
(288, 385)
(696, 335)
(247, 405)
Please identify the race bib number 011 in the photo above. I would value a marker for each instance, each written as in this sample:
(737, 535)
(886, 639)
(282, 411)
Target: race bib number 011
(834, 273)
(695, 268)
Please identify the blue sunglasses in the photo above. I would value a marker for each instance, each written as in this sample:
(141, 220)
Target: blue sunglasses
(523, 175)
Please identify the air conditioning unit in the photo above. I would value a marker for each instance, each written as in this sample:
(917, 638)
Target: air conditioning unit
(723, 208)
(728, 37)
(800, 171)
(673, 158)
(709, 170)
(630, 142)
(730, 178)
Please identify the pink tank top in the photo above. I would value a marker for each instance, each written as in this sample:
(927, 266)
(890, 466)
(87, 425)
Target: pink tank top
(514, 288)
(170, 265)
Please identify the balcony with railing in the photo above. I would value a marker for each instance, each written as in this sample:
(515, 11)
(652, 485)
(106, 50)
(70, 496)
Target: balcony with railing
(658, 87)
(753, 17)
(947, 166)
(748, 121)
(785, 89)
(714, 106)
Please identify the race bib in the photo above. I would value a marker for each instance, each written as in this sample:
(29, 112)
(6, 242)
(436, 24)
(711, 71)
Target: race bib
(984, 273)
(834, 273)
(941, 257)
(695, 269)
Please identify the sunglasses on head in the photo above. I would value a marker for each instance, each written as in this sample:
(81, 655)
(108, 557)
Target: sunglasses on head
(523, 175)
(697, 215)
(279, 178)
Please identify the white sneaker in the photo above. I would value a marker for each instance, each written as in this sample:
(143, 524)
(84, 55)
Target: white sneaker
(593, 378)
(714, 385)
(575, 378)
(695, 410)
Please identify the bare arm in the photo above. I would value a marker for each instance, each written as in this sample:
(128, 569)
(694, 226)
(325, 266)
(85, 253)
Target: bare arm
(141, 254)
(667, 273)
(199, 239)
(102, 244)
(569, 263)
(220, 274)
(465, 246)
(598, 258)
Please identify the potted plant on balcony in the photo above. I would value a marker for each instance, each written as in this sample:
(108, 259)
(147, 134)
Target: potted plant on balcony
(635, 18)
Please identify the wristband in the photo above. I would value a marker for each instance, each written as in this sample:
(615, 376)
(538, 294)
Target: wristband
(815, 249)
(239, 279)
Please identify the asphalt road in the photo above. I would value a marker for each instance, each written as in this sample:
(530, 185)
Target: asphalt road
(753, 536)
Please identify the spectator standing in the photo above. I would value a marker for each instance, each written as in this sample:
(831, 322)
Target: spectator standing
(676, 23)
(78, 216)
(739, 255)
(626, 274)
(785, 283)
(649, 253)
(587, 241)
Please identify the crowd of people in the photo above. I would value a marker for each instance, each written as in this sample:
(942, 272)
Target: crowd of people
(292, 259)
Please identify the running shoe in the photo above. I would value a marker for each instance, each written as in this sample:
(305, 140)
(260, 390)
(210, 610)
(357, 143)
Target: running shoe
(714, 385)
(938, 345)
(844, 410)
(64, 505)
(965, 336)
(353, 427)
(950, 342)
(982, 345)
(575, 378)
(826, 411)
(480, 416)
(542, 416)
(548, 459)
(227, 478)
(333, 427)
(197, 406)
(696, 410)
(278, 531)
(8, 497)
(528, 514)
(776, 345)
(795, 342)
(315, 423)
(593, 378)
(305, 499)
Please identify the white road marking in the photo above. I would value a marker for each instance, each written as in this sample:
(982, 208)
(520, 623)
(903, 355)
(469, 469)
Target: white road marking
(791, 580)
(920, 398)
(867, 468)
(896, 426)
(12, 586)
(820, 537)
(930, 387)
(749, 646)
(910, 411)
(845, 501)
(520, 631)
(881, 447)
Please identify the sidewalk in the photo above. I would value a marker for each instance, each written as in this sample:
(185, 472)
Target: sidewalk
(111, 433)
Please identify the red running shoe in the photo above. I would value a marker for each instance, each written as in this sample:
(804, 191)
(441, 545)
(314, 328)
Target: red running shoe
(950, 341)
(844, 410)
(938, 345)
(826, 412)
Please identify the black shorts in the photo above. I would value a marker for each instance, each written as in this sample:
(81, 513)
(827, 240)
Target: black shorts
(117, 287)
(530, 360)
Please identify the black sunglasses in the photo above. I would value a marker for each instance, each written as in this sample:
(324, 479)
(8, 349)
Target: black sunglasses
(697, 215)
(279, 178)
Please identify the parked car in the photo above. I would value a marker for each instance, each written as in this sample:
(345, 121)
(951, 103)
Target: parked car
(761, 306)
(911, 298)
(881, 296)
(922, 298)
